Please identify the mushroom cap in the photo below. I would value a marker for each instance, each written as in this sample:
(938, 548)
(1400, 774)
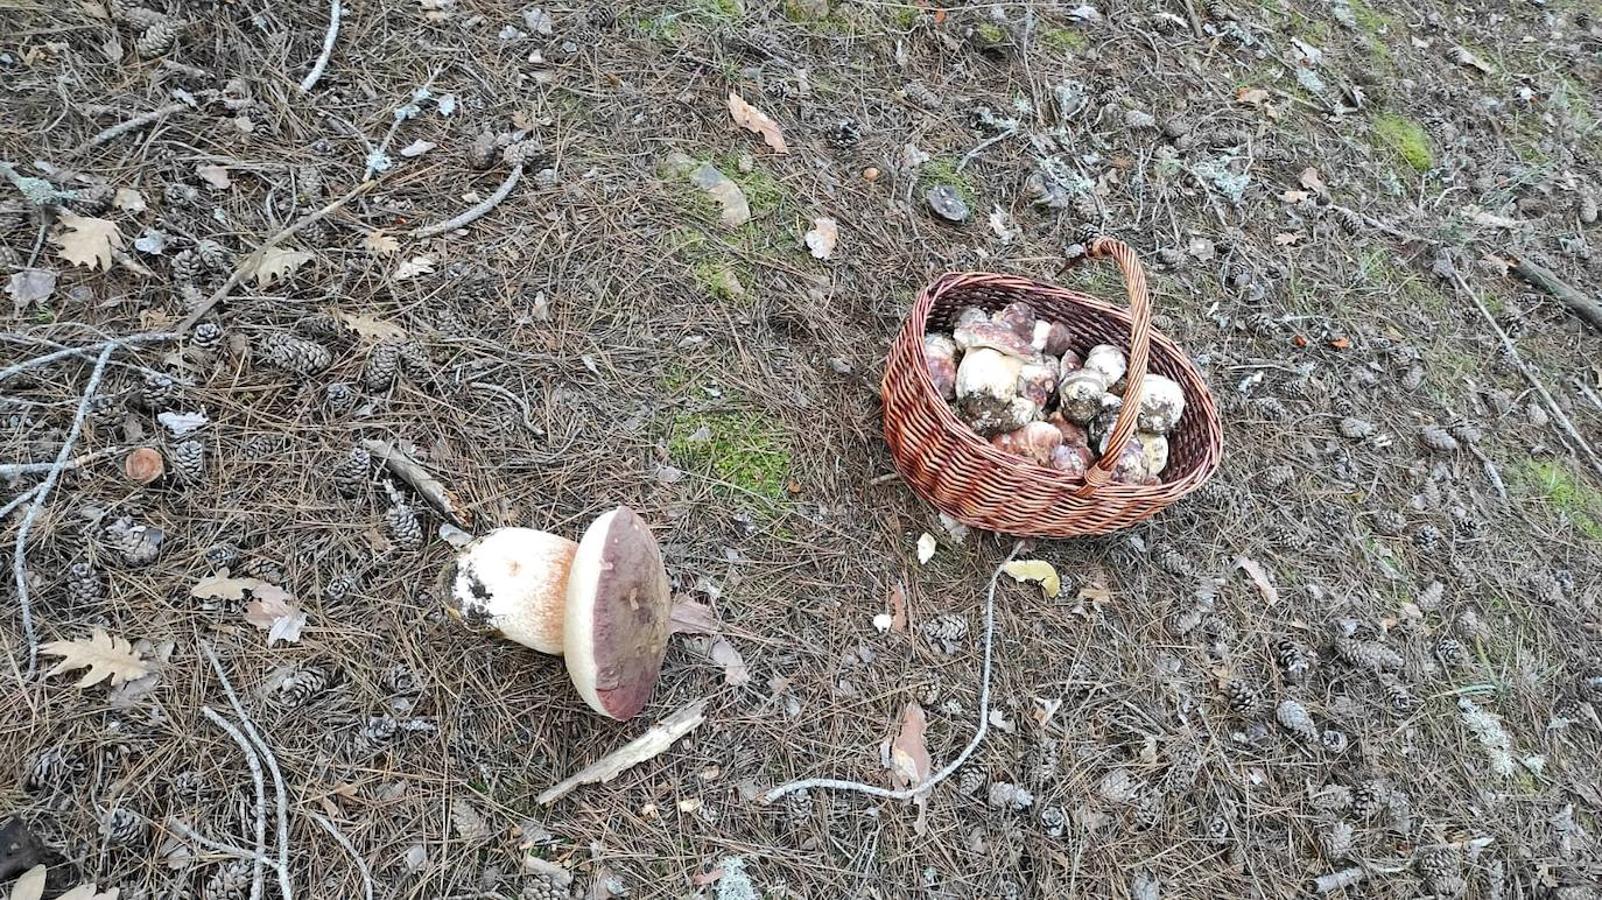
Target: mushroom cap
(1109, 361)
(618, 602)
(514, 580)
(995, 336)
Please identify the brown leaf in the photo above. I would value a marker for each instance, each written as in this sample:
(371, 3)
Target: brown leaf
(909, 753)
(1260, 577)
(274, 264)
(1095, 590)
(1251, 96)
(898, 607)
(103, 655)
(221, 587)
(216, 176)
(1314, 182)
(371, 328)
(278, 616)
(1286, 238)
(86, 241)
(755, 120)
(690, 617)
(378, 243)
(735, 672)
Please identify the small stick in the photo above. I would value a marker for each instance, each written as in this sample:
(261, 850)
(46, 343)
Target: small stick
(1571, 296)
(978, 735)
(133, 124)
(19, 558)
(191, 834)
(310, 81)
(18, 500)
(476, 212)
(12, 470)
(361, 864)
(984, 145)
(412, 472)
(1530, 376)
(1334, 881)
(260, 857)
(1195, 20)
(147, 338)
(1491, 473)
(246, 263)
(282, 793)
(658, 738)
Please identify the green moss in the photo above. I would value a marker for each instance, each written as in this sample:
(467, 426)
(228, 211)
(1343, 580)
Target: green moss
(725, 12)
(1369, 19)
(1407, 139)
(763, 192)
(1566, 493)
(943, 170)
(720, 280)
(745, 450)
(1064, 40)
(990, 34)
(662, 28)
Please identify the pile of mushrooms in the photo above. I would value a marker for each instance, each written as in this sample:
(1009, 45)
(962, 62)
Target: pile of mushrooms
(1017, 380)
(601, 604)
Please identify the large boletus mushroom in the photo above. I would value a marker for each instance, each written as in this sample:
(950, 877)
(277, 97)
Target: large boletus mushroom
(602, 604)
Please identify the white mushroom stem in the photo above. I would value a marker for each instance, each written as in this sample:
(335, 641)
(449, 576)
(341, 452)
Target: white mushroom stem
(514, 580)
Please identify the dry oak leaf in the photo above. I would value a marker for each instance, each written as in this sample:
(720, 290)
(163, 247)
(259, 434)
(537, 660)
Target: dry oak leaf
(378, 243)
(216, 176)
(755, 120)
(371, 328)
(87, 241)
(1251, 96)
(735, 671)
(274, 264)
(103, 655)
(411, 268)
(129, 200)
(909, 753)
(222, 587)
(1259, 577)
(278, 616)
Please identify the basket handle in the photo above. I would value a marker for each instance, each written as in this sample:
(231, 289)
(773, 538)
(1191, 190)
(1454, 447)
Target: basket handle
(1139, 353)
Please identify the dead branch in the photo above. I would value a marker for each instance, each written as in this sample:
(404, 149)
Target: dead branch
(647, 746)
(133, 124)
(260, 857)
(129, 341)
(266, 752)
(1334, 881)
(476, 212)
(310, 81)
(1547, 280)
(361, 864)
(18, 500)
(12, 470)
(426, 485)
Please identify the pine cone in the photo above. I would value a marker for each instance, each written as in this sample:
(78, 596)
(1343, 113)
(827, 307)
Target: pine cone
(382, 363)
(1442, 871)
(1357, 429)
(376, 735)
(1216, 827)
(1335, 842)
(845, 134)
(1369, 799)
(92, 200)
(50, 772)
(301, 686)
(481, 153)
(1277, 476)
(106, 410)
(295, 355)
(222, 556)
(339, 589)
(947, 631)
(189, 461)
(122, 826)
(544, 887)
(1053, 820)
(230, 881)
(404, 526)
(970, 781)
(1242, 697)
(263, 569)
(1450, 651)
(1438, 439)
(1170, 560)
(1427, 537)
(1334, 741)
(1372, 656)
(139, 545)
(1389, 523)
(325, 328)
(1295, 659)
(159, 392)
(1397, 696)
(309, 185)
(1271, 409)
(135, 16)
(176, 193)
(350, 475)
(215, 257)
(1294, 718)
(1148, 812)
(401, 681)
(206, 336)
(1467, 433)
(1184, 766)
(797, 808)
(84, 584)
(340, 397)
(156, 39)
(415, 362)
(523, 153)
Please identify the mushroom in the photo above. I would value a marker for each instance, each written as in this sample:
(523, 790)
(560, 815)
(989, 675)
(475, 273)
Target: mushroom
(1162, 403)
(940, 355)
(1140, 466)
(1109, 361)
(994, 335)
(602, 604)
(1072, 460)
(1071, 363)
(1051, 338)
(1072, 432)
(1035, 441)
(987, 392)
(1019, 316)
(1037, 381)
(1080, 395)
(970, 315)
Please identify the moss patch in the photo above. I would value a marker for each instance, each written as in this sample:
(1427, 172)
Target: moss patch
(1566, 493)
(943, 171)
(745, 450)
(1370, 19)
(1407, 139)
(722, 11)
(1064, 40)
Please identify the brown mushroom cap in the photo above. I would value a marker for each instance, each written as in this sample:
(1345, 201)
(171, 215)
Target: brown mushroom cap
(618, 602)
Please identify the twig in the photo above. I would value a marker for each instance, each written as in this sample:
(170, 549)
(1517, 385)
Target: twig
(978, 735)
(1529, 375)
(426, 485)
(658, 738)
(12, 470)
(260, 857)
(129, 341)
(984, 145)
(476, 212)
(191, 834)
(133, 124)
(1334, 881)
(310, 81)
(361, 864)
(19, 557)
(18, 500)
(1491, 473)
(1571, 296)
(284, 887)
(248, 262)
(1195, 20)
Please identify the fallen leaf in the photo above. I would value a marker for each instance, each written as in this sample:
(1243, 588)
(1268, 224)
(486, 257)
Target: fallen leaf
(417, 148)
(1259, 577)
(129, 200)
(755, 120)
(823, 236)
(220, 586)
(1341, 343)
(281, 619)
(103, 655)
(1292, 196)
(1251, 96)
(216, 176)
(469, 822)
(1037, 570)
(703, 879)
(926, 547)
(1463, 56)
(30, 286)
(1286, 238)
(1001, 224)
(153, 242)
(690, 617)
(371, 328)
(898, 607)
(736, 210)
(909, 753)
(1314, 182)
(1299, 340)
(30, 886)
(417, 265)
(735, 672)
(181, 423)
(87, 241)
(274, 264)
(1095, 590)
(378, 243)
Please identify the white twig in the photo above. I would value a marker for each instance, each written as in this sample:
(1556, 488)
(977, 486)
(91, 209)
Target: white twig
(978, 735)
(284, 886)
(12, 470)
(1558, 415)
(132, 339)
(361, 864)
(310, 81)
(133, 124)
(1334, 881)
(221, 847)
(260, 857)
(18, 500)
(477, 212)
(19, 558)
(983, 146)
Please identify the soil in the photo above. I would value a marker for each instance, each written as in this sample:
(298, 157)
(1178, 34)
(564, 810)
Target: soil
(1298, 176)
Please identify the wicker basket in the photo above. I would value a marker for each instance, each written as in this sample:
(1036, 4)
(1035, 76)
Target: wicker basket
(948, 464)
